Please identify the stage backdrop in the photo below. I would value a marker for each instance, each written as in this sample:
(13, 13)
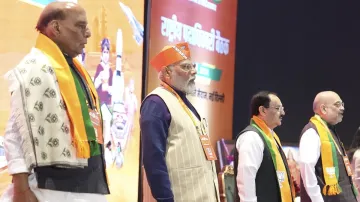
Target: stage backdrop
(209, 26)
(113, 57)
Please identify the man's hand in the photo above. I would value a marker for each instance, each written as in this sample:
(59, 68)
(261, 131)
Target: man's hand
(22, 191)
(24, 196)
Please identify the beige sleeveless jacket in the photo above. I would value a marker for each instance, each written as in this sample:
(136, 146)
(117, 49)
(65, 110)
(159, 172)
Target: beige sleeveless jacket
(193, 178)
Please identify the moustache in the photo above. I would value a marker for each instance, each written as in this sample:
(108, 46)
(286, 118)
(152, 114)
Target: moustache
(191, 80)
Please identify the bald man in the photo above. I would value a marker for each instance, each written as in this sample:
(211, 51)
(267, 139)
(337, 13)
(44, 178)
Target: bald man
(53, 140)
(324, 165)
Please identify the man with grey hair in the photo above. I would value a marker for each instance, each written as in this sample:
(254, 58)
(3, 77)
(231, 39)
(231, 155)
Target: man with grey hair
(177, 155)
(53, 140)
(324, 166)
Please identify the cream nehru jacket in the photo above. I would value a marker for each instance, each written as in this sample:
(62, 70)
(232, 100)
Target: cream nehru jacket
(193, 178)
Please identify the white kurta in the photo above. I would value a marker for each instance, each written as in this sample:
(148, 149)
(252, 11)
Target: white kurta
(309, 151)
(16, 163)
(250, 148)
(45, 195)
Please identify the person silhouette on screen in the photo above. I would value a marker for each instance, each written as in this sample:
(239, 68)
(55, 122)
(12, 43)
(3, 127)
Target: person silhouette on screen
(104, 75)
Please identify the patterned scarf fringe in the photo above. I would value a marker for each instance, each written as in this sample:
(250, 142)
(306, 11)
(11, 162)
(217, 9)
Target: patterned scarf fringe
(331, 190)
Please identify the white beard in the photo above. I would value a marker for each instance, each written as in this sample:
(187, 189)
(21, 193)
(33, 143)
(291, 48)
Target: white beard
(187, 87)
(190, 87)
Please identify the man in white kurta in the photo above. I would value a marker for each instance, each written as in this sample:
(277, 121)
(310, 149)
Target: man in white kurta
(53, 139)
(329, 107)
(256, 174)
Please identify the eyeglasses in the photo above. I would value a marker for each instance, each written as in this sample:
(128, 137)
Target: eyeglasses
(188, 66)
(339, 104)
(278, 108)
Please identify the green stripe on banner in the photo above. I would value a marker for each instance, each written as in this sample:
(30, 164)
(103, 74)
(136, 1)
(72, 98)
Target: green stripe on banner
(208, 72)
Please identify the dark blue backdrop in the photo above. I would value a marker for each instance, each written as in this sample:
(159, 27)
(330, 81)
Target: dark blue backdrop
(298, 48)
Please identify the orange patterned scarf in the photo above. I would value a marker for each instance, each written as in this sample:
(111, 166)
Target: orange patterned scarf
(69, 93)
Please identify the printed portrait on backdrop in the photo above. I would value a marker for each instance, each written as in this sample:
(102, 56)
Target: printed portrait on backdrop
(292, 156)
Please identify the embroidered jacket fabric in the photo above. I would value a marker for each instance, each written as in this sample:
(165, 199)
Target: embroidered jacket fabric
(41, 118)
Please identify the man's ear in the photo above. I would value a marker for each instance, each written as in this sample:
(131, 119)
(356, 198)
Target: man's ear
(262, 110)
(167, 72)
(323, 109)
(54, 27)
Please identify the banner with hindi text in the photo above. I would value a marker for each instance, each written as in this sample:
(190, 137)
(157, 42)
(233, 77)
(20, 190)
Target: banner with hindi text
(209, 26)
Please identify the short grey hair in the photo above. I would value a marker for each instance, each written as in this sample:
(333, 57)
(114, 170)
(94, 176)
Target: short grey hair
(162, 72)
(49, 15)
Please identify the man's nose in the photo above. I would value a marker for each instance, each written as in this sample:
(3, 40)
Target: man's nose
(342, 108)
(88, 33)
(193, 71)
